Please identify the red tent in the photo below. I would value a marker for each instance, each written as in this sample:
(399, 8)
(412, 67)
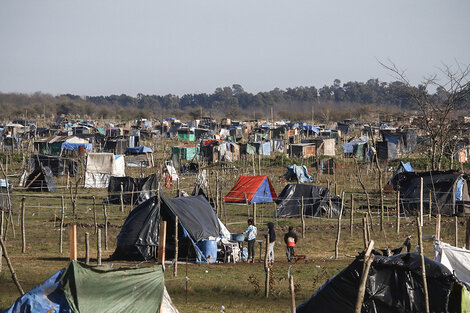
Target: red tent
(252, 189)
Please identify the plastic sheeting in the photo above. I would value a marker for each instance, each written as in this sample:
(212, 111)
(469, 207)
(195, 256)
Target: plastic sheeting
(137, 189)
(298, 172)
(138, 150)
(41, 180)
(100, 167)
(59, 166)
(394, 284)
(457, 260)
(316, 201)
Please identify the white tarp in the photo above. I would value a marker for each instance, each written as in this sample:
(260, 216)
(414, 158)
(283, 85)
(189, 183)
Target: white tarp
(100, 167)
(457, 260)
(167, 304)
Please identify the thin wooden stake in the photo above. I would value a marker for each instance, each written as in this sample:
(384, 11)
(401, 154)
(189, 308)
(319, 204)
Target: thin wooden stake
(430, 206)
(438, 227)
(62, 218)
(122, 198)
(98, 247)
(175, 266)
(467, 234)
(339, 228)
(23, 232)
(423, 268)
(162, 243)
(73, 243)
(10, 266)
(292, 294)
(398, 212)
(105, 213)
(421, 202)
(364, 231)
(362, 286)
(456, 223)
(94, 215)
(254, 213)
(266, 269)
(351, 218)
(302, 217)
(87, 248)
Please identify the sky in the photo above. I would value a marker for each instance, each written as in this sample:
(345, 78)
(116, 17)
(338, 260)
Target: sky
(89, 47)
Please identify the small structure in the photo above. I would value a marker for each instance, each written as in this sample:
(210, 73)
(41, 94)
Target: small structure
(141, 156)
(100, 167)
(302, 150)
(252, 189)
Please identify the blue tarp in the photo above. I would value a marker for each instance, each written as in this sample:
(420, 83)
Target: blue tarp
(139, 150)
(311, 128)
(47, 297)
(74, 146)
(459, 190)
(298, 172)
(263, 193)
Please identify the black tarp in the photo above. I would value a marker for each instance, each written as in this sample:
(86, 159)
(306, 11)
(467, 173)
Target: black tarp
(441, 185)
(316, 201)
(138, 239)
(394, 284)
(138, 189)
(41, 180)
(59, 166)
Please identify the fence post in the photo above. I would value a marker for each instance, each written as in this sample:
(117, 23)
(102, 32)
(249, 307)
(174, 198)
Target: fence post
(23, 233)
(175, 266)
(105, 212)
(62, 218)
(98, 247)
(302, 217)
(73, 242)
(351, 218)
(87, 248)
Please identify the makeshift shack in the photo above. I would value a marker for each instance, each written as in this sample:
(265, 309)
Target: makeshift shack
(100, 167)
(133, 190)
(302, 150)
(184, 153)
(141, 156)
(59, 166)
(316, 201)
(82, 288)
(252, 189)
(41, 180)
(387, 151)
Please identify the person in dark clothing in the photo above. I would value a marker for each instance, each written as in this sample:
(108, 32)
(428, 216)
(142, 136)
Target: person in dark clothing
(290, 238)
(272, 240)
(250, 234)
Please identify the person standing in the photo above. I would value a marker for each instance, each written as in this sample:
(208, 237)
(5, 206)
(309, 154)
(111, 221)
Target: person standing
(290, 238)
(272, 240)
(250, 234)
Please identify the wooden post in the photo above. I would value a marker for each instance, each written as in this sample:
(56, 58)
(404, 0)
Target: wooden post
(175, 266)
(302, 217)
(362, 286)
(266, 269)
(364, 231)
(421, 202)
(105, 213)
(121, 196)
(254, 169)
(456, 219)
(398, 212)
(292, 294)
(217, 207)
(62, 218)
(423, 268)
(467, 234)
(438, 227)
(13, 274)
(162, 243)
(351, 218)
(73, 243)
(259, 161)
(254, 213)
(339, 228)
(98, 247)
(94, 215)
(178, 192)
(87, 248)
(23, 233)
(131, 205)
(430, 205)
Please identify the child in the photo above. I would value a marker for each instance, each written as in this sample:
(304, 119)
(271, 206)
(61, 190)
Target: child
(250, 234)
(290, 238)
(272, 240)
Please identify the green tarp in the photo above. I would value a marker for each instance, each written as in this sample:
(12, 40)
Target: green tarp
(92, 289)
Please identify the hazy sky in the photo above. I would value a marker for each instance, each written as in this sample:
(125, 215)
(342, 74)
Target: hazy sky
(96, 47)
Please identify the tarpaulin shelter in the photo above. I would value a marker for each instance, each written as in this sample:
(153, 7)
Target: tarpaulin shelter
(448, 191)
(402, 168)
(59, 166)
(139, 156)
(299, 173)
(133, 189)
(387, 151)
(252, 189)
(100, 167)
(80, 288)
(316, 201)
(138, 239)
(394, 284)
(457, 260)
(41, 180)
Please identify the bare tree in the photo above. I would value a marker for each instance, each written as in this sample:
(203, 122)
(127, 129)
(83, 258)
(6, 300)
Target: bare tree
(452, 85)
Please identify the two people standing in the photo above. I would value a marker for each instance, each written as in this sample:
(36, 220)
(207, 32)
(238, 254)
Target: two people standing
(251, 233)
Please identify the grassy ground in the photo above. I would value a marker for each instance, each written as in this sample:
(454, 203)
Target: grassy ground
(239, 287)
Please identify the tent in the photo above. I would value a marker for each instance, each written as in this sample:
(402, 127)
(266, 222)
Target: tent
(252, 189)
(316, 201)
(138, 239)
(80, 288)
(136, 189)
(299, 173)
(394, 284)
(100, 167)
(41, 180)
(448, 191)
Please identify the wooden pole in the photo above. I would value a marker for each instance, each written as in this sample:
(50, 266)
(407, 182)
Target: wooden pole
(364, 231)
(121, 196)
(254, 213)
(456, 223)
(467, 234)
(23, 232)
(217, 207)
(339, 228)
(302, 217)
(62, 218)
(398, 212)
(430, 206)
(94, 215)
(362, 286)
(175, 266)
(351, 218)
(73, 242)
(254, 169)
(162, 243)
(292, 294)
(421, 202)
(178, 192)
(87, 248)
(98, 247)
(10, 266)
(423, 268)
(259, 162)
(438, 227)
(266, 269)
(105, 213)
